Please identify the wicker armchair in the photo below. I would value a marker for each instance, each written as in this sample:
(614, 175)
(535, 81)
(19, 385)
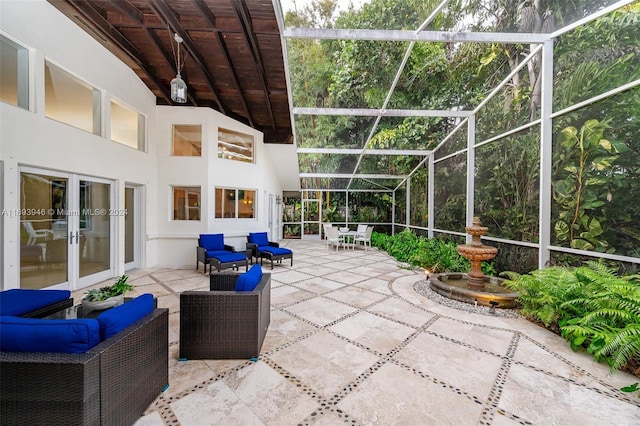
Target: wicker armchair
(209, 246)
(223, 323)
(112, 383)
(261, 248)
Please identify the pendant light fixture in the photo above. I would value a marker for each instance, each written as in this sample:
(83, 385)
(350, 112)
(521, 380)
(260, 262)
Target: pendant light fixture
(178, 86)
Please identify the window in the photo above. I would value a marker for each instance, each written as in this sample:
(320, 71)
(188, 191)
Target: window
(186, 203)
(70, 100)
(127, 126)
(235, 146)
(187, 140)
(14, 73)
(235, 203)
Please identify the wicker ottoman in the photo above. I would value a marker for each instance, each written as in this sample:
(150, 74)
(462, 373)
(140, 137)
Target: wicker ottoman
(233, 260)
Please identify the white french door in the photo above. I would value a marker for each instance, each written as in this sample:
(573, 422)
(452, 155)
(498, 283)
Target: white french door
(66, 229)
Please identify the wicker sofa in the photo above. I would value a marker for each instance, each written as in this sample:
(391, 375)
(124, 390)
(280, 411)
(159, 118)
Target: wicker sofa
(223, 323)
(30, 303)
(112, 383)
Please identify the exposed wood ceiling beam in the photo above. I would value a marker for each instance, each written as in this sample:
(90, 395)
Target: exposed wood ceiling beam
(166, 14)
(239, 7)
(129, 11)
(115, 37)
(204, 11)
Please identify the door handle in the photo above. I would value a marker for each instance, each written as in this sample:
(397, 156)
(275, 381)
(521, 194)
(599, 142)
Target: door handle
(77, 237)
(70, 237)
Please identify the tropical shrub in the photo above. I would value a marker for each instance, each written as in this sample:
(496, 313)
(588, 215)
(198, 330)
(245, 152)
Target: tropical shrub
(435, 254)
(543, 293)
(590, 306)
(609, 326)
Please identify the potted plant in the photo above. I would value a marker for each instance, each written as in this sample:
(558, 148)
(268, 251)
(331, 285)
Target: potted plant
(107, 297)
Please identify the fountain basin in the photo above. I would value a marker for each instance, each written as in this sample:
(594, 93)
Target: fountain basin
(455, 286)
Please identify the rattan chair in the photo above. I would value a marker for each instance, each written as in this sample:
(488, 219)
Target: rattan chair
(210, 246)
(261, 248)
(223, 323)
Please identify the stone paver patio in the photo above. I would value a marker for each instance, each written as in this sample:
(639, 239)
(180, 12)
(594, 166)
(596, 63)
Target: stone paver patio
(352, 342)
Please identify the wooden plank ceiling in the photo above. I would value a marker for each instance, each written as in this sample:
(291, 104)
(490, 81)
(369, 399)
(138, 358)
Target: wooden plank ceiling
(233, 64)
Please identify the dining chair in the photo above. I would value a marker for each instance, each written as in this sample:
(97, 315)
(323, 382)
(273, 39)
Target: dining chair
(365, 239)
(362, 229)
(325, 226)
(334, 237)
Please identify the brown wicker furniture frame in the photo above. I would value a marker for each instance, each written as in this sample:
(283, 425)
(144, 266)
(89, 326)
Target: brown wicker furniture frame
(112, 383)
(215, 262)
(201, 256)
(261, 255)
(50, 309)
(223, 323)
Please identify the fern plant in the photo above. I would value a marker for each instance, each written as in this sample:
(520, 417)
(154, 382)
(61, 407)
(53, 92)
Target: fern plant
(543, 293)
(610, 325)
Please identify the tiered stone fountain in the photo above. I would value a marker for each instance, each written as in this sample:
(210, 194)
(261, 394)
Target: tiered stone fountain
(474, 287)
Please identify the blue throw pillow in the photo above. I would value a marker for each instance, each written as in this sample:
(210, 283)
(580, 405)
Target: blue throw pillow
(22, 301)
(42, 335)
(250, 279)
(259, 238)
(212, 241)
(117, 319)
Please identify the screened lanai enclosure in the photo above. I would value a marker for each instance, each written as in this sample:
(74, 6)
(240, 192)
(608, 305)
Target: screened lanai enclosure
(420, 115)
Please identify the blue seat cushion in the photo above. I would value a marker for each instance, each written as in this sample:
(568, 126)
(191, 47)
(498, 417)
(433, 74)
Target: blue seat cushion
(41, 335)
(117, 319)
(276, 251)
(17, 302)
(233, 257)
(259, 238)
(250, 279)
(217, 253)
(212, 241)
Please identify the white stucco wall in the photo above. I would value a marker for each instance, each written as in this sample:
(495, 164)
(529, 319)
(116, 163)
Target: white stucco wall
(28, 138)
(207, 172)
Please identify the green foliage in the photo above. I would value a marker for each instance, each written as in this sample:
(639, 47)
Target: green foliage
(609, 324)
(584, 172)
(434, 254)
(543, 292)
(100, 294)
(598, 213)
(593, 307)
(631, 388)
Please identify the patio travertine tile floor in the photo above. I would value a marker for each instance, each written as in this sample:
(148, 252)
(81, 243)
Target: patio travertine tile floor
(352, 342)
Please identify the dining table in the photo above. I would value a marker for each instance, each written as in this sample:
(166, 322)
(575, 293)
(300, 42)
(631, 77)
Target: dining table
(348, 237)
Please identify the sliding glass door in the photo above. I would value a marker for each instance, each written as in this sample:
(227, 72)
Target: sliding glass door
(65, 229)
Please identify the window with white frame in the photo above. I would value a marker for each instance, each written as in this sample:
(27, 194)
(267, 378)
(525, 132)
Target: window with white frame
(235, 203)
(234, 145)
(187, 140)
(14, 73)
(127, 126)
(70, 100)
(186, 202)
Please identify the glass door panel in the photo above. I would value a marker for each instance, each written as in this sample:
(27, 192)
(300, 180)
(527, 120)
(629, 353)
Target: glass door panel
(43, 230)
(65, 230)
(93, 236)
